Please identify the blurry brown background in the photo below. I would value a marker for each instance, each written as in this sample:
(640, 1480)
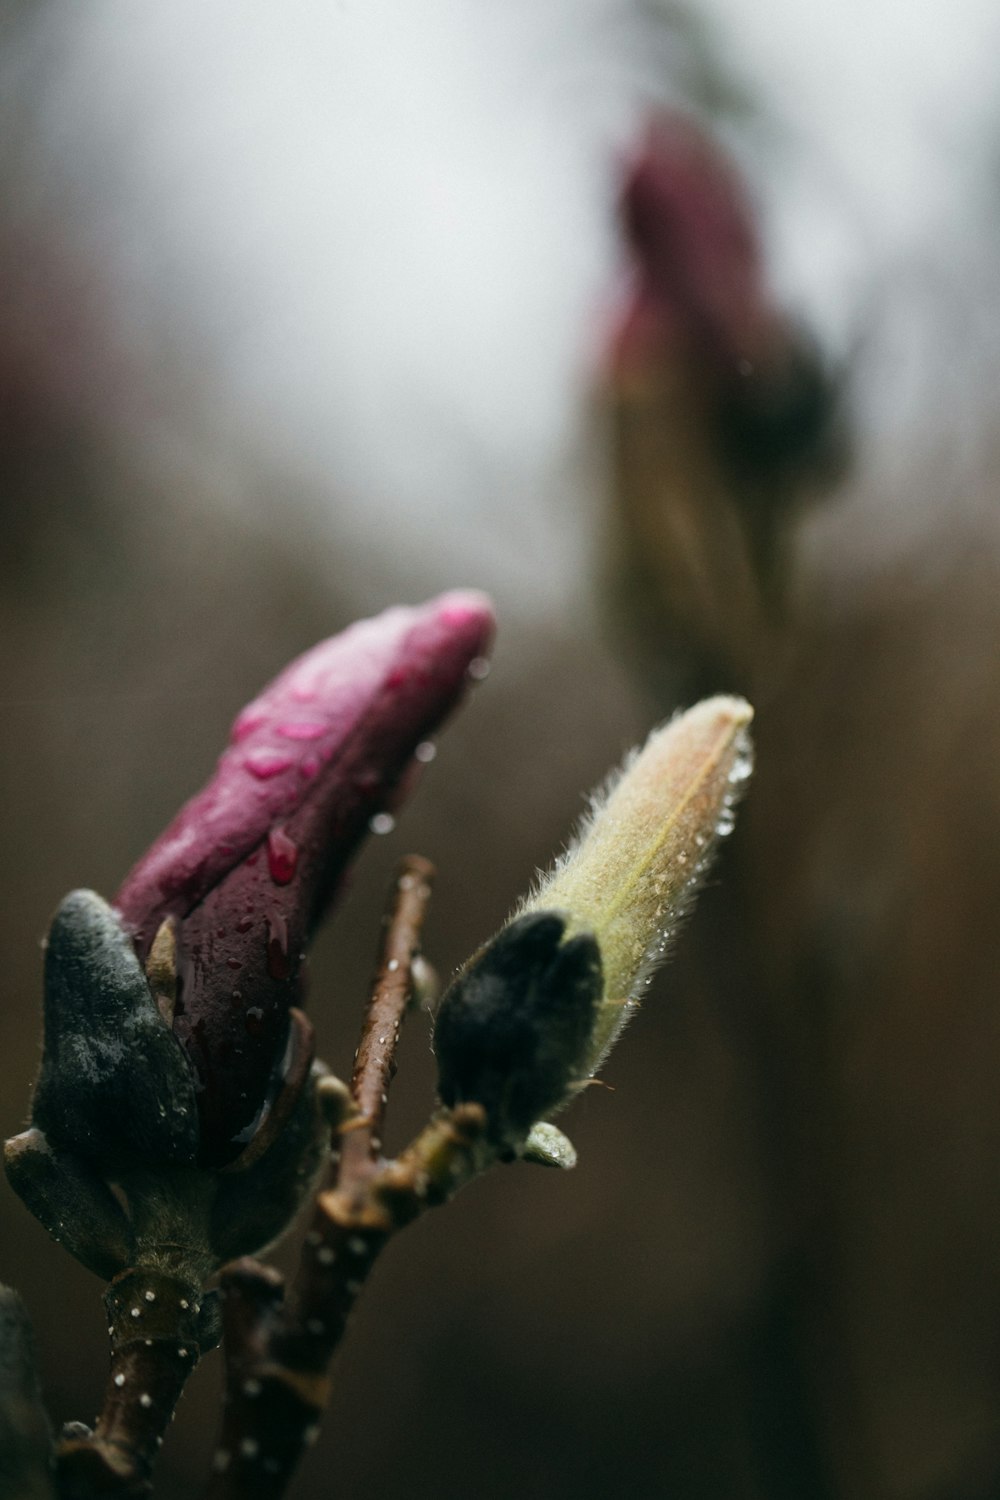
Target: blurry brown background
(302, 311)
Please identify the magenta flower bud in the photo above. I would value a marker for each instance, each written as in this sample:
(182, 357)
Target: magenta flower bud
(697, 258)
(223, 904)
(698, 321)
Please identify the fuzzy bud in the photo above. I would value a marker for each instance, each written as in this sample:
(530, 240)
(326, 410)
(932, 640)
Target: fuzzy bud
(533, 1015)
(639, 859)
(223, 904)
(178, 1066)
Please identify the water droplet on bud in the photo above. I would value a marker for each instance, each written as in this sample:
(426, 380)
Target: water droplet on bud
(302, 729)
(267, 763)
(742, 768)
(282, 856)
(245, 724)
(278, 965)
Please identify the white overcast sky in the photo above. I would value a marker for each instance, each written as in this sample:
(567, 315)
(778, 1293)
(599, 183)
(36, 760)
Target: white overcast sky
(379, 231)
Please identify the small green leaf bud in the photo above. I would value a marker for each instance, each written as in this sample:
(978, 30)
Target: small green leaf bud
(636, 865)
(547, 1146)
(531, 1017)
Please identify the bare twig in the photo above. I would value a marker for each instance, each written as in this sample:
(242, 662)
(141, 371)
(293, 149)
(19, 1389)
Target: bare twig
(156, 1325)
(277, 1352)
(375, 1062)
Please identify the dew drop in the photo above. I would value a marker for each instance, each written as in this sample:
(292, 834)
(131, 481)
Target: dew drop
(302, 729)
(282, 856)
(267, 763)
(245, 724)
(382, 822)
(278, 966)
(478, 668)
(742, 767)
(425, 752)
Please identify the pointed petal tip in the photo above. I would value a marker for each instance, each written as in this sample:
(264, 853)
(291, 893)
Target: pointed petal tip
(724, 711)
(728, 707)
(459, 606)
(467, 615)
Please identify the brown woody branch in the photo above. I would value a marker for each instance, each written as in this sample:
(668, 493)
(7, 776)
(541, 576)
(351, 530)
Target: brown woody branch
(392, 989)
(157, 1325)
(277, 1351)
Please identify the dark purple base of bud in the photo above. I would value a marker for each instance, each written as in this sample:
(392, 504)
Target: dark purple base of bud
(513, 1031)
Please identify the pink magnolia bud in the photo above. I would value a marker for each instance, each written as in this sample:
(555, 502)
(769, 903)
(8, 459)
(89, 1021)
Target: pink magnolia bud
(698, 266)
(245, 870)
(699, 327)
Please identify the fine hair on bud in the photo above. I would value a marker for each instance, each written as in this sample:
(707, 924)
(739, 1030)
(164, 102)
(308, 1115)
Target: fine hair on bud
(636, 863)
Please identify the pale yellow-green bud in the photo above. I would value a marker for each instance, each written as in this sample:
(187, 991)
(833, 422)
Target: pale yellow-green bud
(637, 861)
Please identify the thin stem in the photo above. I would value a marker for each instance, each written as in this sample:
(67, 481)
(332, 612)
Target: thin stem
(392, 989)
(156, 1325)
(277, 1351)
